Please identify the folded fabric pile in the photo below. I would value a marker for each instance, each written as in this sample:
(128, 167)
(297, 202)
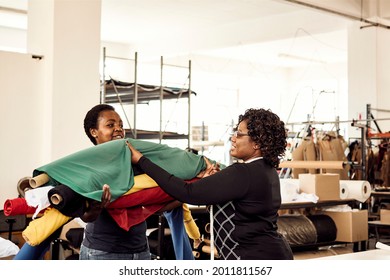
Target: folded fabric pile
(79, 177)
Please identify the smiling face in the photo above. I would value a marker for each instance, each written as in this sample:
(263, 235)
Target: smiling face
(109, 127)
(243, 147)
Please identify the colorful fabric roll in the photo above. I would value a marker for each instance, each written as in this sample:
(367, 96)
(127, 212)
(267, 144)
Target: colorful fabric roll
(17, 206)
(109, 163)
(142, 181)
(86, 171)
(131, 209)
(41, 228)
(68, 202)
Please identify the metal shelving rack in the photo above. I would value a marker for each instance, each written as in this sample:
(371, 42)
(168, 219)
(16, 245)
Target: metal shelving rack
(118, 92)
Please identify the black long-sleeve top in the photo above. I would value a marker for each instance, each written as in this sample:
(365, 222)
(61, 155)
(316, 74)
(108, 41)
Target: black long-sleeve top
(254, 190)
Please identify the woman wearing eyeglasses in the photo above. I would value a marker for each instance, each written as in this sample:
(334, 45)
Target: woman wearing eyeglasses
(245, 195)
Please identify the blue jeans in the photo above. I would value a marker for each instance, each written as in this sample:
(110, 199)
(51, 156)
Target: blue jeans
(92, 254)
(28, 252)
(181, 242)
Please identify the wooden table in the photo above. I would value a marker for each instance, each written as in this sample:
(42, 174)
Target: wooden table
(377, 225)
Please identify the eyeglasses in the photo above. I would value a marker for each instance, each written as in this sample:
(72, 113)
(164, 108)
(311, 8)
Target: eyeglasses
(239, 134)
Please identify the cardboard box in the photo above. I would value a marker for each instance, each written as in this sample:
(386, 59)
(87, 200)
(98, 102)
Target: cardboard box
(352, 226)
(325, 186)
(385, 216)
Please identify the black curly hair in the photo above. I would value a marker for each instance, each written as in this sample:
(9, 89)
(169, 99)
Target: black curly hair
(267, 130)
(91, 118)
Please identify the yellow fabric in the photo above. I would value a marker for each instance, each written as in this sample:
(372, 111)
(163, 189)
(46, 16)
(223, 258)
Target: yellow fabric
(189, 223)
(141, 182)
(41, 228)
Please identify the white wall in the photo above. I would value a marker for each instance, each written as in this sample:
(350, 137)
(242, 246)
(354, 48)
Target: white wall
(12, 39)
(21, 112)
(45, 100)
(70, 47)
(368, 75)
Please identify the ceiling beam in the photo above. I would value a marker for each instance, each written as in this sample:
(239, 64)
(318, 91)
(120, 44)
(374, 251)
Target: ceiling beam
(359, 10)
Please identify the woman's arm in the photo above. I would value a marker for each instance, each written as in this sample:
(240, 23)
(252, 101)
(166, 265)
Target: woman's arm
(226, 185)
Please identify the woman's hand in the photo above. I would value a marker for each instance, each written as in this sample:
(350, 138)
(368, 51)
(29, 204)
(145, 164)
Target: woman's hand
(95, 207)
(106, 196)
(170, 206)
(210, 169)
(135, 154)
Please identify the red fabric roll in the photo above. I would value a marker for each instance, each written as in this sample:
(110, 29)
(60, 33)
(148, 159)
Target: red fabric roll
(17, 206)
(131, 209)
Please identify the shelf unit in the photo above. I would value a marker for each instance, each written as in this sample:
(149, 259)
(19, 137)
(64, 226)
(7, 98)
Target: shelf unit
(308, 206)
(134, 93)
(367, 136)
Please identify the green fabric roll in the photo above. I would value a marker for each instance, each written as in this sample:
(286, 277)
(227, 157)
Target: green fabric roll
(109, 163)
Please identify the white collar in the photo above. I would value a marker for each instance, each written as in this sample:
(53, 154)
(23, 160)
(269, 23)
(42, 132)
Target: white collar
(253, 159)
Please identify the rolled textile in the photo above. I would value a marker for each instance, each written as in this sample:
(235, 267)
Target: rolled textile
(41, 228)
(359, 190)
(23, 185)
(109, 163)
(72, 204)
(143, 197)
(37, 197)
(39, 180)
(344, 193)
(127, 211)
(297, 229)
(17, 206)
(325, 227)
(142, 181)
(135, 207)
(67, 201)
(131, 209)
